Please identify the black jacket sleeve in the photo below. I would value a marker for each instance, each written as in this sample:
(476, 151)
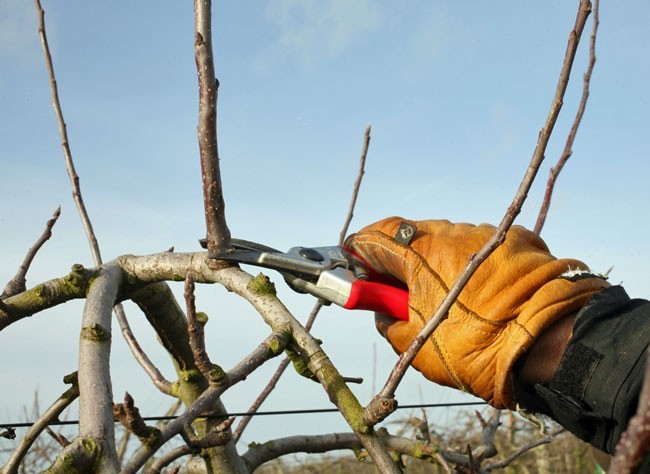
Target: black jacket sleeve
(595, 390)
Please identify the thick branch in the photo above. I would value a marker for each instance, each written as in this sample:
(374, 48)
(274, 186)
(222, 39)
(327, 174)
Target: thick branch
(96, 395)
(218, 234)
(405, 359)
(166, 317)
(46, 295)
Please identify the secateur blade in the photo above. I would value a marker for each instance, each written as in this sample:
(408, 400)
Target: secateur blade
(296, 270)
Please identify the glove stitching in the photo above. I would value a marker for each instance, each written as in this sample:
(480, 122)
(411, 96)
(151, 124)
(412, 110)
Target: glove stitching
(427, 268)
(444, 357)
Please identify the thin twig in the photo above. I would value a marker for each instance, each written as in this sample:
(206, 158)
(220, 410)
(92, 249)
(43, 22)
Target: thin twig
(270, 386)
(522, 450)
(567, 152)
(357, 186)
(195, 324)
(166, 459)
(17, 283)
(218, 234)
(35, 430)
(58, 437)
(405, 359)
(131, 341)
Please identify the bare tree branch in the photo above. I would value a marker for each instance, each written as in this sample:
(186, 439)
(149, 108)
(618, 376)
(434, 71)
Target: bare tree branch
(129, 415)
(271, 347)
(218, 234)
(95, 388)
(166, 459)
(487, 448)
(65, 144)
(35, 430)
(405, 359)
(270, 386)
(566, 153)
(173, 266)
(522, 450)
(137, 351)
(166, 317)
(357, 186)
(259, 453)
(17, 283)
(58, 437)
(46, 295)
(195, 323)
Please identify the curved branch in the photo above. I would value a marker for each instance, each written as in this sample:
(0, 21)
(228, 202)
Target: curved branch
(175, 267)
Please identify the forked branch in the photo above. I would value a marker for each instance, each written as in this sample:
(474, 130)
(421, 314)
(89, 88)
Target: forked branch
(568, 147)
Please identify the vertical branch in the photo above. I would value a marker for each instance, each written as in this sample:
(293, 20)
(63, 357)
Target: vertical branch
(566, 153)
(357, 186)
(137, 351)
(96, 403)
(218, 234)
(381, 402)
(65, 144)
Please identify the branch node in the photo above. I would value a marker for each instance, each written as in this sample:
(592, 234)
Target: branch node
(378, 410)
(129, 416)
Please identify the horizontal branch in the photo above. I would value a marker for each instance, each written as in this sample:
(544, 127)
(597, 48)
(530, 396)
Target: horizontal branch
(46, 295)
(260, 453)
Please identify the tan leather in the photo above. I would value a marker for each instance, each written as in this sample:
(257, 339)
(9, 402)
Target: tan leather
(514, 295)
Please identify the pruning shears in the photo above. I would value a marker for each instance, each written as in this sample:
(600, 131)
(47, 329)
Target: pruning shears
(332, 274)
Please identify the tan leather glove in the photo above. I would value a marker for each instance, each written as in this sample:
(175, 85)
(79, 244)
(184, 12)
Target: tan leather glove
(518, 292)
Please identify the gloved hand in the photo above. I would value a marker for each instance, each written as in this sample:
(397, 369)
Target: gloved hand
(518, 292)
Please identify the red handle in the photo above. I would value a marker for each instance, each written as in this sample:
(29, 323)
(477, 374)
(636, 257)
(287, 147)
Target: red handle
(379, 297)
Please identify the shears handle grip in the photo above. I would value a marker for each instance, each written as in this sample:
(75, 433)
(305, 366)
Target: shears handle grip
(379, 297)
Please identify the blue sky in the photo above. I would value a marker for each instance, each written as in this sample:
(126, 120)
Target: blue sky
(456, 94)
